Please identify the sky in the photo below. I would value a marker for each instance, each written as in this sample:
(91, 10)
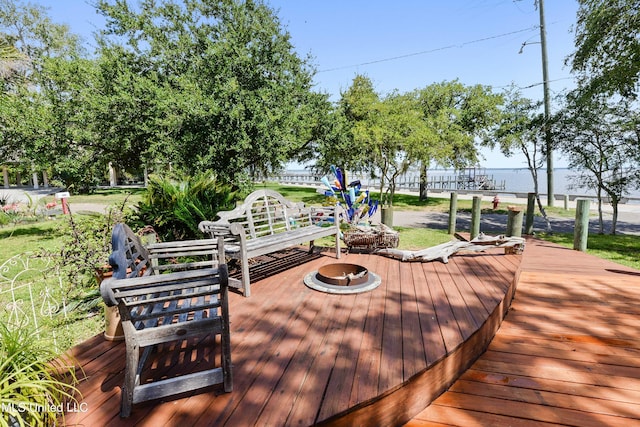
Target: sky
(409, 44)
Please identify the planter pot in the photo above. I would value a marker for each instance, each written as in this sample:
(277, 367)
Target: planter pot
(113, 325)
(386, 214)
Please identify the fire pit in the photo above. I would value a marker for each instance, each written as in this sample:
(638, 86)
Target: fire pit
(342, 278)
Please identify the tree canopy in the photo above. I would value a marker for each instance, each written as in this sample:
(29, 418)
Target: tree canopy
(196, 84)
(386, 135)
(607, 56)
(211, 85)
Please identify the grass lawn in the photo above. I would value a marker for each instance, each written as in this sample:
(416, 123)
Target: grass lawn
(621, 249)
(28, 237)
(65, 328)
(107, 197)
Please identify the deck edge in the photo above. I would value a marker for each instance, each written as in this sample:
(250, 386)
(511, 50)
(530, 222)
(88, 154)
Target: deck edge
(405, 401)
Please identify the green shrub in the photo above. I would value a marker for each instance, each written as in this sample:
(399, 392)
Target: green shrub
(35, 385)
(86, 245)
(175, 207)
(79, 173)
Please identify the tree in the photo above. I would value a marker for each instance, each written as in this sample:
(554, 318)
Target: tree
(219, 83)
(607, 56)
(39, 106)
(354, 111)
(398, 138)
(459, 116)
(439, 124)
(387, 135)
(601, 139)
(521, 129)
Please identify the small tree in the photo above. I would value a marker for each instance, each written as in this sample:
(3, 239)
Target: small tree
(601, 139)
(388, 135)
(457, 116)
(400, 140)
(521, 129)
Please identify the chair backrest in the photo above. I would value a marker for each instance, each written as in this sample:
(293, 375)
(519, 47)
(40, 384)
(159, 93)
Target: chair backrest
(129, 257)
(185, 254)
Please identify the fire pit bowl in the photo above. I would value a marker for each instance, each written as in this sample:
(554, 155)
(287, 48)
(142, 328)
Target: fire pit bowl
(342, 278)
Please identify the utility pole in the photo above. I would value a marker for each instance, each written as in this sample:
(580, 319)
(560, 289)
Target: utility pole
(547, 106)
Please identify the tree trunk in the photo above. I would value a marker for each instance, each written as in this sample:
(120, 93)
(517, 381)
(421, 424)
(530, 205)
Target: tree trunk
(543, 212)
(423, 183)
(534, 176)
(600, 218)
(614, 220)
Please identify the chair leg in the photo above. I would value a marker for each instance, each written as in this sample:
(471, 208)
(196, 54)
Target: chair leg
(130, 374)
(227, 372)
(246, 280)
(225, 341)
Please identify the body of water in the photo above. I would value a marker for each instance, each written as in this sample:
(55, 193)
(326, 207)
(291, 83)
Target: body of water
(516, 180)
(520, 180)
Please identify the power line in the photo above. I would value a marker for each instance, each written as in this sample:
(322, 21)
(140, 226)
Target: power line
(541, 83)
(424, 52)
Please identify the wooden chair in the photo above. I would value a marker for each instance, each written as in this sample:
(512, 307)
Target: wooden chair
(165, 308)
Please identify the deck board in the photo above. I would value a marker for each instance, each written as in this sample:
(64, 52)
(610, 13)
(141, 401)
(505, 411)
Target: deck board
(432, 338)
(567, 352)
(302, 357)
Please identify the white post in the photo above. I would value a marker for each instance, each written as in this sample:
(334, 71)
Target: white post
(34, 174)
(113, 181)
(5, 176)
(45, 179)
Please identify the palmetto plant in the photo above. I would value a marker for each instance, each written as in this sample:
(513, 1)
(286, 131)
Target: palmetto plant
(35, 385)
(175, 206)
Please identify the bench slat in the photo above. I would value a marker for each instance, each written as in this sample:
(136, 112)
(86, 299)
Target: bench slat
(266, 222)
(178, 331)
(176, 385)
(174, 309)
(130, 293)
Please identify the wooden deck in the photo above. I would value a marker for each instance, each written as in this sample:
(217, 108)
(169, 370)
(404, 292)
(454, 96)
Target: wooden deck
(303, 357)
(567, 353)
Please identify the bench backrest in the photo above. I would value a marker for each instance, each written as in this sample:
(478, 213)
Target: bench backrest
(266, 212)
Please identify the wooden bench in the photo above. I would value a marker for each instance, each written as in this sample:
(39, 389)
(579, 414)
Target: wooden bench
(164, 308)
(266, 222)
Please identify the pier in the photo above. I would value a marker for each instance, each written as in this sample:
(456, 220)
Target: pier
(470, 179)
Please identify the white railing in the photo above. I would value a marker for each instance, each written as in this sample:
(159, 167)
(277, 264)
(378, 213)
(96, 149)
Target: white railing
(32, 294)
